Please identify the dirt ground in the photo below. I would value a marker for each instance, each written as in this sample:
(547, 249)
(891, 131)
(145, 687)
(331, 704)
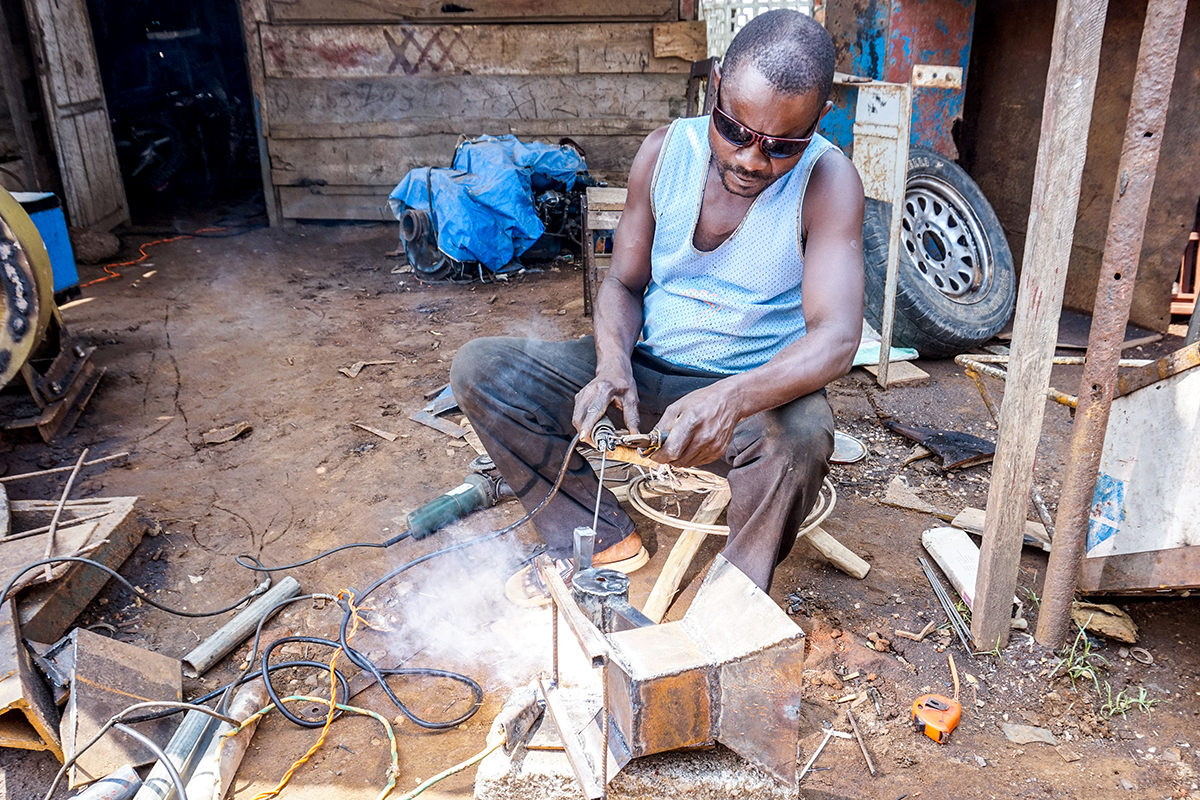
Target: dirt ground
(209, 332)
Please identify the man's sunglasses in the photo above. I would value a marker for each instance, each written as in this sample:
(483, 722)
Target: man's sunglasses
(740, 136)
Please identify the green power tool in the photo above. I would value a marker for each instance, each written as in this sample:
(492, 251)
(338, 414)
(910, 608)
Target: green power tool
(478, 490)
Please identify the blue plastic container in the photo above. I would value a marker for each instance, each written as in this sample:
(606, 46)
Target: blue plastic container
(45, 209)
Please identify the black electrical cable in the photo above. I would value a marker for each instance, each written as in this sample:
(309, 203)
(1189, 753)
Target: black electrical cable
(356, 657)
(256, 565)
(266, 670)
(252, 563)
(137, 590)
(363, 662)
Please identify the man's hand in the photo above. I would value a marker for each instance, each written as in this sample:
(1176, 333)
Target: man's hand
(699, 427)
(610, 386)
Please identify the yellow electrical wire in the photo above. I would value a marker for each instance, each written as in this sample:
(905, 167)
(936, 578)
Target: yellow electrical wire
(394, 772)
(441, 776)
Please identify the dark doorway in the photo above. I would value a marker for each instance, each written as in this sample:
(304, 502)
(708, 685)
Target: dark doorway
(175, 81)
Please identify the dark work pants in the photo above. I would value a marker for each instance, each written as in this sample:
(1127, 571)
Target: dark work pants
(520, 394)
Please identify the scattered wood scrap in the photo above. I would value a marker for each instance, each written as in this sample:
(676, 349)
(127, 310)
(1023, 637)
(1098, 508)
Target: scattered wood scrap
(391, 437)
(971, 520)
(226, 434)
(357, 367)
(900, 495)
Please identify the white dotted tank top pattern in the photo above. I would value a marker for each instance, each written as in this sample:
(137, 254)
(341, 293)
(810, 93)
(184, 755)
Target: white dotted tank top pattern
(733, 308)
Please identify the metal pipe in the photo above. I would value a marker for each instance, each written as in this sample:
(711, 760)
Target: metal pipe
(119, 785)
(169, 773)
(1148, 105)
(999, 374)
(234, 632)
(219, 762)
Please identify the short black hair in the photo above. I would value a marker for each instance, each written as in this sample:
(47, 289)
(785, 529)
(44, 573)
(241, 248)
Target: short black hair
(791, 50)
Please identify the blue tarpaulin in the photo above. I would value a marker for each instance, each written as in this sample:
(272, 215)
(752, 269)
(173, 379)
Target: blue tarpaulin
(483, 206)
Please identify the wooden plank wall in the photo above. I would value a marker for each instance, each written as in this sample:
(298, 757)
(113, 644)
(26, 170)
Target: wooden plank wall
(352, 95)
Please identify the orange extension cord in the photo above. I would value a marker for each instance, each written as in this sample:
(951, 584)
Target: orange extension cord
(144, 255)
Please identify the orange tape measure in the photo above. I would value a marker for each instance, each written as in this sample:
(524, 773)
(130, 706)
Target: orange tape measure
(936, 716)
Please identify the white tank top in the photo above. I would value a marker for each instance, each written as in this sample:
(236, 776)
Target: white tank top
(733, 308)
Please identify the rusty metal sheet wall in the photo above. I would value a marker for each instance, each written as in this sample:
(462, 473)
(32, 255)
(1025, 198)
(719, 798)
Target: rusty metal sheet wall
(884, 40)
(1003, 116)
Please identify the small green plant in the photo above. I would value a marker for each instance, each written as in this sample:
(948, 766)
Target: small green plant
(1031, 596)
(1125, 702)
(1079, 662)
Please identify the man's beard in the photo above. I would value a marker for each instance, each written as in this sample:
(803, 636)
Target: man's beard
(723, 171)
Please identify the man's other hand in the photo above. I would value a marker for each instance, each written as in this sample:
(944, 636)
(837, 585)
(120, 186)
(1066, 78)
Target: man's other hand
(593, 400)
(699, 427)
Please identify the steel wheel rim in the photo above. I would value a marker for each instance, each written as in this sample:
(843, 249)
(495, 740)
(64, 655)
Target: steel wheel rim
(945, 240)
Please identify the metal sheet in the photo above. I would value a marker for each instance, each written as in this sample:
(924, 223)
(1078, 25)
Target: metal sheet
(108, 676)
(28, 716)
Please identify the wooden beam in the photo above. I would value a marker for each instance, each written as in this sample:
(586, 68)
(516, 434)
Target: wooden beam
(629, 100)
(467, 12)
(377, 162)
(1126, 225)
(1062, 148)
(383, 51)
(254, 12)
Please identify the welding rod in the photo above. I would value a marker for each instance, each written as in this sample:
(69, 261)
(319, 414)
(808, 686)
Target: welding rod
(956, 620)
(861, 743)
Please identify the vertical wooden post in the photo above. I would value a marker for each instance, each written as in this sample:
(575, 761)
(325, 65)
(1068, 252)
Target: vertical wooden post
(1066, 116)
(254, 12)
(1122, 249)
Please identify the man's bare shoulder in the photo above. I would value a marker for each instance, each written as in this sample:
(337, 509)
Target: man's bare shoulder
(834, 191)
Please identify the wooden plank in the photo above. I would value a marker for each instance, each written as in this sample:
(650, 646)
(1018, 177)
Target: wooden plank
(901, 373)
(686, 40)
(972, 521)
(73, 95)
(682, 553)
(606, 198)
(603, 220)
(489, 10)
(381, 51)
(377, 162)
(46, 612)
(301, 202)
(649, 98)
(1062, 148)
(523, 129)
(254, 12)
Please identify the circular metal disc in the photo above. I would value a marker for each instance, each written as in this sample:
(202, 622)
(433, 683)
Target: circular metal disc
(846, 449)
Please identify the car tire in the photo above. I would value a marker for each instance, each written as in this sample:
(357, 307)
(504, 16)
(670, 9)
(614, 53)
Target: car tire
(956, 285)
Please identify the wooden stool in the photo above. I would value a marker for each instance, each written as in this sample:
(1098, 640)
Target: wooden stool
(688, 544)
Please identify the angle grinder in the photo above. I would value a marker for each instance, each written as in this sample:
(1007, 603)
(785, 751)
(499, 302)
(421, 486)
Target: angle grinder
(482, 488)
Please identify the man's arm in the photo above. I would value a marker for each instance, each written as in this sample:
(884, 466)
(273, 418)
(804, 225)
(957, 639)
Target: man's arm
(701, 424)
(618, 314)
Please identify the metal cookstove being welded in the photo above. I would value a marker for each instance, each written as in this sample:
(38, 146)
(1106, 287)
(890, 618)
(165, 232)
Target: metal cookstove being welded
(730, 671)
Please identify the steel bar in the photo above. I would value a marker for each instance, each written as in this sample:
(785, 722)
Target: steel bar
(1148, 104)
(999, 374)
(956, 620)
(171, 773)
(861, 743)
(56, 470)
(58, 511)
(216, 766)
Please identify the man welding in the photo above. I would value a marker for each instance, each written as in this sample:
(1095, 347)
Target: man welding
(734, 296)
